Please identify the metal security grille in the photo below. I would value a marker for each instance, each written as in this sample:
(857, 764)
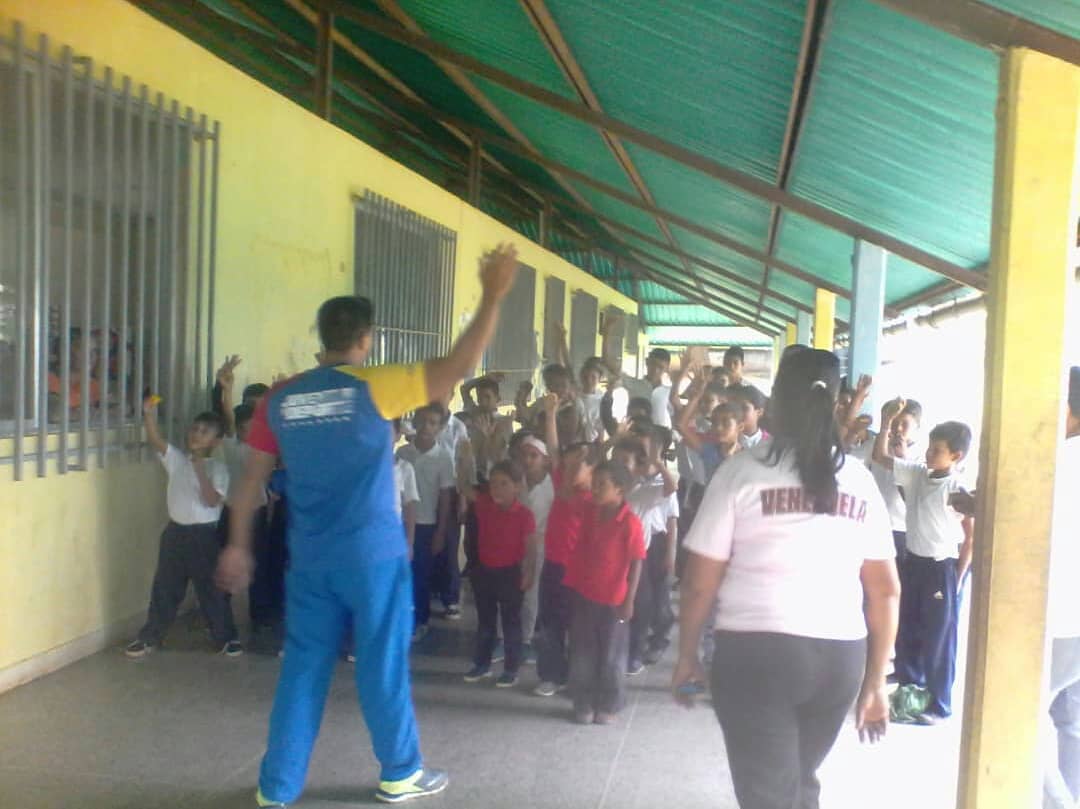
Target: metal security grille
(108, 198)
(632, 334)
(405, 265)
(513, 350)
(554, 306)
(583, 313)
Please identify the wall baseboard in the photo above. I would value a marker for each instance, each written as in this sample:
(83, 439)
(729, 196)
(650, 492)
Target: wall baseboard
(71, 652)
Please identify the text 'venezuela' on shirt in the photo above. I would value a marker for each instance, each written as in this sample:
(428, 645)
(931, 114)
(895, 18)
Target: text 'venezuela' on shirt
(330, 425)
(796, 500)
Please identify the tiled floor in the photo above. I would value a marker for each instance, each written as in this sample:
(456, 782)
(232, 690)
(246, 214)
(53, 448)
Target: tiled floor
(185, 728)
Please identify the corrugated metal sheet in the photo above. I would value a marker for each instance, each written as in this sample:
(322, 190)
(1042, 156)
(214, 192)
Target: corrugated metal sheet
(719, 336)
(684, 315)
(1061, 15)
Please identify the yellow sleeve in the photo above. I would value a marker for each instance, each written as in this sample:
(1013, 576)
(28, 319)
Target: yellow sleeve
(395, 389)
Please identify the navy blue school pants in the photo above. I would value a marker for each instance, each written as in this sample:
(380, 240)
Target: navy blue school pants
(423, 561)
(318, 607)
(445, 570)
(926, 640)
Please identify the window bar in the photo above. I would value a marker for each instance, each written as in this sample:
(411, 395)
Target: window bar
(212, 252)
(142, 263)
(106, 273)
(428, 309)
(65, 316)
(88, 273)
(159, 247)
(173, 407)
(183, 198)
(397, 262)
(200, 245)
(42, 161)
(22, 213)
(125, 261)
(377, 236)
(447, 255)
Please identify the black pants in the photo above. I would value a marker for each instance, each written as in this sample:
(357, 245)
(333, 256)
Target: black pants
(497, 591)
(187, 553)
(900, 543)
(445, 570)
(598, 644)
(556, 611)
(266, 596)
(656, 577)
(781, 701)
(695, 492)
(638, 633)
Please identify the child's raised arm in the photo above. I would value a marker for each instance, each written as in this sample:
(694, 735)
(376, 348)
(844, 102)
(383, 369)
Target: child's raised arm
(551, 432)
(226, 378)
(153, 435)
(683, 424)
(889, 414)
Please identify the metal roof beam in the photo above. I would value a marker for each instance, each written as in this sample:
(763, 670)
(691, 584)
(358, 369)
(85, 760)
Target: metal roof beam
(557, 46)
(988, 26)
(800, 94)
(324, 63)
(706, 165)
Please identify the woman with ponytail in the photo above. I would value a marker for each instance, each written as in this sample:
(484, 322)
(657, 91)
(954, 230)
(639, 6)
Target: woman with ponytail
(796, 546)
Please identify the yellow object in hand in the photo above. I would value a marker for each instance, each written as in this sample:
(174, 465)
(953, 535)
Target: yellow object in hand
(156, 400)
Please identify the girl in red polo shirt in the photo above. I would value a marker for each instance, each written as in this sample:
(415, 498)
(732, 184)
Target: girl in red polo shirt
(604, 572)
(507, 544)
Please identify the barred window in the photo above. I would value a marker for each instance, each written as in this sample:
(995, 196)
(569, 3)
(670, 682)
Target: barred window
(404, 263)
(583, 328)
(554, 303)
(513, 350)
(107, 235)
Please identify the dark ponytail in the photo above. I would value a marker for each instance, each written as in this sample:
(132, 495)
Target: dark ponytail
(802, 420)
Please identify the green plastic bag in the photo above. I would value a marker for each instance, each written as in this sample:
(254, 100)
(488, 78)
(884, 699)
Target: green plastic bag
(908, 702)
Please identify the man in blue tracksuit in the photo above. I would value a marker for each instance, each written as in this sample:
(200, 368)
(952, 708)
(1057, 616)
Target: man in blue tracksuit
(348, 556)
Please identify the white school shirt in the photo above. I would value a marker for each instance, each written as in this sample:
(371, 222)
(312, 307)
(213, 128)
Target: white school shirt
(236, 454)
(660, 398)
(933, 526)
(751, 441)
(593, 424)
(405, 483)
(434, 471)
(890, 493)
(538, 500)
(645, 498)
(1063, 609)
(451, 435)
(183, 495)
(790, 570)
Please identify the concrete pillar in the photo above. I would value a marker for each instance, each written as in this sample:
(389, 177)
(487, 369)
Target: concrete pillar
(1034, 224)
(867, 310)
(790, 335)
(824, 319)
(802, 327)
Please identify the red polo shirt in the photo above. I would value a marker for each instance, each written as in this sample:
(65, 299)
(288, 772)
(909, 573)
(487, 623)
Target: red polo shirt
(564, 522)
(601, 562)
(502, 531)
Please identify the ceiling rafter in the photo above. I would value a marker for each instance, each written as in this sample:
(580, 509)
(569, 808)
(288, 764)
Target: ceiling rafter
(559, 49)
(813, 21)
(702, 163)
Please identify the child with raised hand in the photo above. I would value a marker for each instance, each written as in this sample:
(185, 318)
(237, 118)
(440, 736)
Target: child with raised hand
(504, 572)
(720, 441)
(604, 573)
(195, 494)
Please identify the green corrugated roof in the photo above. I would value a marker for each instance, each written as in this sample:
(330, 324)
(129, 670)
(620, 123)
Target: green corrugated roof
(897, 129)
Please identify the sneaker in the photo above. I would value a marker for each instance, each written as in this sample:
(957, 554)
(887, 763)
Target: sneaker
(928, 719)
(453, 613)
(506, 680)
(635, 667)
(265, 803)
(138, 648)
(350, 658)
(499, 654)
(423, 783)
(420, 633)
(584, 717)
(233, 648)
(546, 689)
(602, 718)
(478, 673)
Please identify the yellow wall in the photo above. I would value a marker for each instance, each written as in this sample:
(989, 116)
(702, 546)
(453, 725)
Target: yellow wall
(79, 553)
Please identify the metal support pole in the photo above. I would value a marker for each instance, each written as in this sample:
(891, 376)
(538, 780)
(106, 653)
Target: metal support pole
(324, 64)
(1034, 227)
(791, 334)
(868, 263)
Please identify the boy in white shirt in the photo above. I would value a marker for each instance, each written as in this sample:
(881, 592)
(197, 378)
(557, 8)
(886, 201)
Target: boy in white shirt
(408, 494)
(435, 482)
(537, 495)
(901, 445)
(939, 547)
(195, 494)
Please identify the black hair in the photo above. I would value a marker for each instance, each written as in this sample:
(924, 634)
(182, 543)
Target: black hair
(735, 353)
(592, 451)
(487, 383)
(618, 474)
(518, 437)
(509, 468)
(634, 445)
(746, 393)
(434, 408)
(211, 419)
(955, 434)
(243, 413)
(914, 409)
(802, 414)
(342, 321)
(555, 370)
(594, 364)
(1074, 390)
(255, 390)
(794, 348)
(661, 354)
(724, 410)
(639, 403)
(661, 437)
